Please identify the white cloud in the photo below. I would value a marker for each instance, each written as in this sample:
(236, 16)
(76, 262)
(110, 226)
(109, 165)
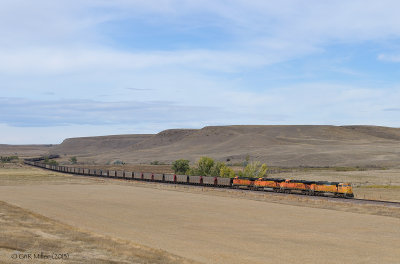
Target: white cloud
(290, 104)
(310, 20)
(389, 57)
(56, 61)
(52, 52)
(61, 35)
(307, 103)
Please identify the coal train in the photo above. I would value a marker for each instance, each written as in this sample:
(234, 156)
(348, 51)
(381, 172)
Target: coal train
(320, 188)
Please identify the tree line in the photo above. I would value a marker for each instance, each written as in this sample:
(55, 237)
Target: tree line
(206, 166)
(8, 158)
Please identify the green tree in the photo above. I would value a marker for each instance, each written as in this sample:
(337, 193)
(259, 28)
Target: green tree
(254, 170)
(208, 167)
(53, 162)
(9, 158)
(193, 171)
(216, 169)
(226, 172)
(205, 166)
(73, 160)
(180, 166)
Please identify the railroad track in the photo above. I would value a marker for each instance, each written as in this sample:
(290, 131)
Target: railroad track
(260, 192)
(378, 202)
(327, 198)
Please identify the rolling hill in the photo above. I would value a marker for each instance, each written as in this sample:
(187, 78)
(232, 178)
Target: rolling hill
(275, 145)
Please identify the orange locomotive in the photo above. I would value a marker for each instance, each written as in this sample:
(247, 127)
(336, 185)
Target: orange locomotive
(295, 186)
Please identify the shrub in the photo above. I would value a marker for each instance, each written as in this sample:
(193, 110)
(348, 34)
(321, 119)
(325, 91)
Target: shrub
(254, 170)
(226, 172)
(192, 171)
(216, 169)
(246, 161)
(180, 166)
(8, 159)
(49, 161)
(73, 160)
(118, 162)
(207, 167)
(53, 162)
(156, 162)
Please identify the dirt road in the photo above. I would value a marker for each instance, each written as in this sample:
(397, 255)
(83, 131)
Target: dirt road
(213, 229)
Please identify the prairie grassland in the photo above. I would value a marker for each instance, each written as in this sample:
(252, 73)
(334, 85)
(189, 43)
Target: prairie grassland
(97, 220)
(210, 227)
(18, 174)
(23, 232)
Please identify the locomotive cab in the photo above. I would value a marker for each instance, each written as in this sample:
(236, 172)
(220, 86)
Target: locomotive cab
(345, 189)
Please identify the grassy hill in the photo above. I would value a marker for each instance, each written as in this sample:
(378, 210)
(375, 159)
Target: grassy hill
(275, 145)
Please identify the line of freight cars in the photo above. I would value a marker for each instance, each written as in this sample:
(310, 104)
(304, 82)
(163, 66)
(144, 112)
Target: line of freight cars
(261, 184)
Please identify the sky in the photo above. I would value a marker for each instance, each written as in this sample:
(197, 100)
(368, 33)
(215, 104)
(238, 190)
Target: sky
(72, 68)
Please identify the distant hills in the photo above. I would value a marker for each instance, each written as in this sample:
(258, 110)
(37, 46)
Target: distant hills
(276, 145)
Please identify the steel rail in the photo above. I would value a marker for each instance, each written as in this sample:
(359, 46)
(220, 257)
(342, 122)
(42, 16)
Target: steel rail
(331, 198)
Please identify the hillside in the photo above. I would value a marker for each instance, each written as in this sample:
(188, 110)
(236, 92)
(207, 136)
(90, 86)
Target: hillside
(275, 145)
(24, 150)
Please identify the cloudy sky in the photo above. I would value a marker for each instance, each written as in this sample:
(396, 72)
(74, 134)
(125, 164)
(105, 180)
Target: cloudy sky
(80, 68)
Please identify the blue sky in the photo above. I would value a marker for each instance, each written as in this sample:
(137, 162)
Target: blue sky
(85, 68)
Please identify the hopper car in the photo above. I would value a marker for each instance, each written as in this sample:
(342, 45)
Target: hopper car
(315, 188)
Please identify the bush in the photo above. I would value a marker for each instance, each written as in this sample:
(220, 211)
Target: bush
(8, 159)
(49, 161)
(156, 162)
(73, 160)
(53, 162)
(118, 162)
(180, 166)
(216, 169)
(207, 167)
(254, 170)
(226, 172)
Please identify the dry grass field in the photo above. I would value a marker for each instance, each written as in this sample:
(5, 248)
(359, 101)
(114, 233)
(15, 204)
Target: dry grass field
(24, 233)
(24, 150)
(133, 222)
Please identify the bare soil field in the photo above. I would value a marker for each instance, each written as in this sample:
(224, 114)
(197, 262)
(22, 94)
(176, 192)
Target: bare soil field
(209, 226)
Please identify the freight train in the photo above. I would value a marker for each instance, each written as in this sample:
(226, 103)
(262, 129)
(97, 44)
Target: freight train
(321, 188)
